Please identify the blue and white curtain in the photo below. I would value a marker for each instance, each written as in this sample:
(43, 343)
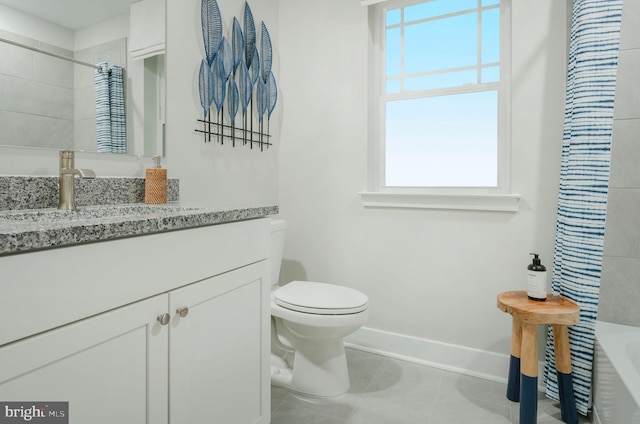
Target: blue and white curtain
(584, 182)
(110, 113)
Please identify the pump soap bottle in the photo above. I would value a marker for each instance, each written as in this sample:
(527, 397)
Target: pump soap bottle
(536, 280)
(155, 186)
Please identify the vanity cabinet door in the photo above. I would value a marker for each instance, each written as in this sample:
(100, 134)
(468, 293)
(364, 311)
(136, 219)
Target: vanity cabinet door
(219, 350)
(111, 368)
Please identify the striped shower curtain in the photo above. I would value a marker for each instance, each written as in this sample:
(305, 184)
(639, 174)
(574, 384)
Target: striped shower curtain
(110, 112)
(584, 182)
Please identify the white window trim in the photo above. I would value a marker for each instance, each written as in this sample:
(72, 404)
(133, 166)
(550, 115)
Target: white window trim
(474, 202)
(370, 2)
(499, 198)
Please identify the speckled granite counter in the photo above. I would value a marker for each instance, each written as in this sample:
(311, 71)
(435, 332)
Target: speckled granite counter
(34, 229)
(42, 192)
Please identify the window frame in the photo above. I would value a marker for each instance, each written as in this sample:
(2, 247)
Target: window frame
(379, 194)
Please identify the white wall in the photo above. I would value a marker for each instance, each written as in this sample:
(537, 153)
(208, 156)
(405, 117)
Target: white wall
(430, 274)
(217, 175)
(210, 174)
(18, 22)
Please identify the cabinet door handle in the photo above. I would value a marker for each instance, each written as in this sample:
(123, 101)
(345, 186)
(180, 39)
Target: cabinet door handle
(163, 319)
(183, 311)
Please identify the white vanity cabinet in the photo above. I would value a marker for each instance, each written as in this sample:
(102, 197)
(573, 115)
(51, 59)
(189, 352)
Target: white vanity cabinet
(110, 368)
(217, 366)
(92, 335)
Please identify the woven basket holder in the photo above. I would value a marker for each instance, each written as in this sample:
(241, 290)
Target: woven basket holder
(155, 186)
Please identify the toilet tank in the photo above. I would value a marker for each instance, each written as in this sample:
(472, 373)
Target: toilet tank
(278, 229)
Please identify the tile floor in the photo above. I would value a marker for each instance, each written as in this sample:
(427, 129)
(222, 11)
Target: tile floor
(390, 391)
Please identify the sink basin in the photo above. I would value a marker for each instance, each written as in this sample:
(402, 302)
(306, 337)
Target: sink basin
(96, 213)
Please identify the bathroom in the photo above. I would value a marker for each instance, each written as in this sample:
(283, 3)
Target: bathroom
(431, 275)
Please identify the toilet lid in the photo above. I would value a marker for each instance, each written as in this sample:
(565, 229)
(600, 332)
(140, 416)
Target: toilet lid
(320, 298)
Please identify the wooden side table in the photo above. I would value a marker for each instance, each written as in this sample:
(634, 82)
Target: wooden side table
(522, 385)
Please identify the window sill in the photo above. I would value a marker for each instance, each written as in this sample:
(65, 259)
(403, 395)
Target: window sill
(474, 202)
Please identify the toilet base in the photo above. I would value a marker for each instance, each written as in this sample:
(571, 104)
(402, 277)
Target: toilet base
(323, 375)
(281, 373)
(308, 353)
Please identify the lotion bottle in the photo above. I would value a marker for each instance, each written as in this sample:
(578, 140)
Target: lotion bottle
(536, 280)
(155, 185)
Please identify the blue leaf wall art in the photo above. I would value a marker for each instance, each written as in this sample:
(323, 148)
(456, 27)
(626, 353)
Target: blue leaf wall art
(205, 85)
(249, 34)
(237, 44)
(219, 90)
(211, 28)
(255, 65)
(217, 69)
(272, 91)
(245, 88)
(233, 102)
(266, 53)
(205, 82)
(272, 96)
(262, 99)
(262, 102)
(237, 75)
(227, 58)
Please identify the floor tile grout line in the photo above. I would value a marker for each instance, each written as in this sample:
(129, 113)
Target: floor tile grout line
(435, 400)
(366, 388)
(282, 402)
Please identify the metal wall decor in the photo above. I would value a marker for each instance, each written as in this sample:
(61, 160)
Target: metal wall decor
(235, 78)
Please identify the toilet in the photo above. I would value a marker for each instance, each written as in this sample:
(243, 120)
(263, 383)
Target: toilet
(308, 323)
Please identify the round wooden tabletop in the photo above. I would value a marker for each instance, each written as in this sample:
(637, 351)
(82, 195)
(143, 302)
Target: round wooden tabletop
(555, 310)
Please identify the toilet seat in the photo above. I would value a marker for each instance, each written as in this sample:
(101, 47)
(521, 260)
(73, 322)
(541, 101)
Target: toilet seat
(320, 298)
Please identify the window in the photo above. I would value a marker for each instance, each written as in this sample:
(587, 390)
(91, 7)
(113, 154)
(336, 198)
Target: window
(441, 81)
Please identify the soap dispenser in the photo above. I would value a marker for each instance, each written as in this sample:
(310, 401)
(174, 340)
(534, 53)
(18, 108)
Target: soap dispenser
(155, 185)
(536, 280)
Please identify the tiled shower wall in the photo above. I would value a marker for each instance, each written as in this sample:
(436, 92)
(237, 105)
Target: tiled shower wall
(49, 102)
(36, 95)
(620, 282)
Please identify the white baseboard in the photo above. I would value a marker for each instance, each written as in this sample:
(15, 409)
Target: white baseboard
(461, 359)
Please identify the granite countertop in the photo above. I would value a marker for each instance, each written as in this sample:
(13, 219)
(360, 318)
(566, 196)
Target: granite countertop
(34, 229)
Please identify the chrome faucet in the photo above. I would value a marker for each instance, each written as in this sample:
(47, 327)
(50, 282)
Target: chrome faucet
(67, 180)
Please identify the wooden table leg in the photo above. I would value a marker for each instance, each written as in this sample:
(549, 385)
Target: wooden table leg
(529, 377)
(565, 380)
(513, 383)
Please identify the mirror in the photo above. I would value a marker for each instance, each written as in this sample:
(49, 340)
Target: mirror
(48, 101)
